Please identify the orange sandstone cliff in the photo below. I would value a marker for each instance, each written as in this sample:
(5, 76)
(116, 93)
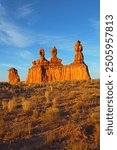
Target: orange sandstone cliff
(53, 70)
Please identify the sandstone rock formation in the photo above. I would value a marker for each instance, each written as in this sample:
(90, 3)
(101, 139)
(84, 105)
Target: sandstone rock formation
(54, 60)
(13, 76)
(53, 70)
(78, 58)
(42, 60)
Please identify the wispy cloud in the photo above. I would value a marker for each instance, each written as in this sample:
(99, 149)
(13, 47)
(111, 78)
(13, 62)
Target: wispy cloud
(2, 10)
(60, 41)
(94, 69)
(25, 10)
(93, 51)
(25, 54)
(95, 24)
(12, 65)
(10, 33)
(13, 34)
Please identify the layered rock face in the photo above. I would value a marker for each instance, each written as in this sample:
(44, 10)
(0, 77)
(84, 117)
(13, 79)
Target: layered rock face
(53, 70)
(13, 76)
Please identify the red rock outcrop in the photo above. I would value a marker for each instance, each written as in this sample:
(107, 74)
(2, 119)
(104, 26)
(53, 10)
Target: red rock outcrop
(53, 70)
(54, 60)
(78, 58)
(42, 60)
(13, 76)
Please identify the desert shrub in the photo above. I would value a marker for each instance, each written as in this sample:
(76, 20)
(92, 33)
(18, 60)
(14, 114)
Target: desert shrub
(17, 130)
(75, 116)
(26, 105)
(55, 102)
(51, 114)
(2, 127)
(51, 88)
(35, 113)
(47, 96)
(79, 105)
(74, 146)
(95, 116)
(11, 105)
(50, 138)
(41, 99)
(29, 128)
(88, 129)
(73, 93)
(97, 133)
(4, 104)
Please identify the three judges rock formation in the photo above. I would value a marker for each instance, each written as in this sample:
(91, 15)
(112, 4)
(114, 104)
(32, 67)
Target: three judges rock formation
(43, 70)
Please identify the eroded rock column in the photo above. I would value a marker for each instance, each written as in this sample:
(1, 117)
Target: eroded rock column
(13, 76)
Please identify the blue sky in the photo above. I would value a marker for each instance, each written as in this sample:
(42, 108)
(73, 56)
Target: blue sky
(28, 25)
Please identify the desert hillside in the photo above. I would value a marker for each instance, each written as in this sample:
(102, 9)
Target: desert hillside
(56, 116)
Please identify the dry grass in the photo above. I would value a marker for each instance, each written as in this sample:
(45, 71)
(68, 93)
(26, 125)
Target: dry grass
(36, 113)
(4, 104)
(64, 115)
(51, 115)
(50, 138)
(26, 105)
(11, 105)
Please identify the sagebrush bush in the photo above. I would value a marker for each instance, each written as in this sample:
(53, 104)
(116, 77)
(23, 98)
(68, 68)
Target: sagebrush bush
(11, 105)
(55, 102)
(4, 104)
(74, 146)
(75, 116)
(79, 105)
(47, 96)
(51, 114)
(2, 127)
(97, 133)
(50, 138)
(51, 88)
(26, 105)
(29, 128)
(35, 113)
